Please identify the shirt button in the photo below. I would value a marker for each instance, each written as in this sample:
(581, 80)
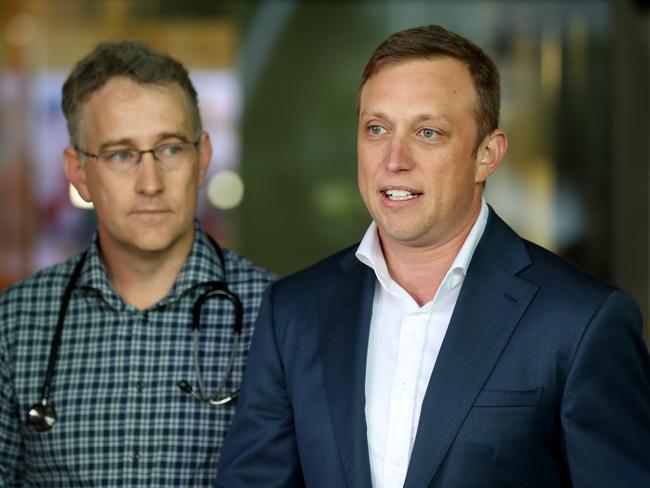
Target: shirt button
(139, 385)
(135, 456)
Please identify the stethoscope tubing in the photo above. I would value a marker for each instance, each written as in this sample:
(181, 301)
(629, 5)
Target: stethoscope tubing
(43, 416)
(56, 341)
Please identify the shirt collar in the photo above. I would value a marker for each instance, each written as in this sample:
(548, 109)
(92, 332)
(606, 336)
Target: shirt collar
(466, 252)
(369, 253)
(202, 266)
(94, 277)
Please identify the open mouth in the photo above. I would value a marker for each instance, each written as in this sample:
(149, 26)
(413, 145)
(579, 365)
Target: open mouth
(400, 195)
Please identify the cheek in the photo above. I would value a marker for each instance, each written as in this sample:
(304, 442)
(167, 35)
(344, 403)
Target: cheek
(361, 166)
(454, 166)
(185, 188)
(365, 181)
(103, 191)
(367, 161)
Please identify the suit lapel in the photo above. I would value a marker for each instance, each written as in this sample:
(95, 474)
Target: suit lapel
(344, 324)
(489, 307)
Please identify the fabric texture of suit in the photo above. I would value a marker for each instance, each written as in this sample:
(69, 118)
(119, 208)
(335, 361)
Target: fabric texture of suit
(543, 379)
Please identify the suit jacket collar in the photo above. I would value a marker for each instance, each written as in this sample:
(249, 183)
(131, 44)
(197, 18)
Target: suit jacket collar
(344, 324)
(492, 300)
(489, 307)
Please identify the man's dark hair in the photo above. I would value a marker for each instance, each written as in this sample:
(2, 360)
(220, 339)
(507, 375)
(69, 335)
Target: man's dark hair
(433, 41)
(130, 59)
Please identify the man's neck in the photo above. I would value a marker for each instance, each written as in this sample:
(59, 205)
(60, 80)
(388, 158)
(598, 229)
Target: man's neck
(144, 278)
(421, 270)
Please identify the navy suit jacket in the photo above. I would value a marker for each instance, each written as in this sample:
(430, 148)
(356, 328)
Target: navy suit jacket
(543, 379)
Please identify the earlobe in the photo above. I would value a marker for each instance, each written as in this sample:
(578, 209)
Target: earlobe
(490, 154)
(205, 155)
(75, 172)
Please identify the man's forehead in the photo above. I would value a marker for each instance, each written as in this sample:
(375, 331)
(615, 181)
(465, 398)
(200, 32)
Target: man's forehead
(445, 76)
(427, 62)
(432, 59)
(124, 109)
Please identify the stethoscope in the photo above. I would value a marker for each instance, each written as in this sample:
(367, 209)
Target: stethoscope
(42, 416)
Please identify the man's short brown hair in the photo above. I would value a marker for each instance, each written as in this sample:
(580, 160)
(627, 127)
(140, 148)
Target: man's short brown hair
(131, 59)
(433, 41)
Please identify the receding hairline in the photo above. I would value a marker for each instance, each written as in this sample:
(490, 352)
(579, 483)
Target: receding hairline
(162, 85)
(132, 59)
(391, 62)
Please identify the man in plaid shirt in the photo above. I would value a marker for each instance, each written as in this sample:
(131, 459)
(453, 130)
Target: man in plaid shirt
(128, 339)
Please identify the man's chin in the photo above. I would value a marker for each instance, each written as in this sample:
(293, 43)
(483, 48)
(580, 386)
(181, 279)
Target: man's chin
(151, 243)
(407, 237)
(157, 243)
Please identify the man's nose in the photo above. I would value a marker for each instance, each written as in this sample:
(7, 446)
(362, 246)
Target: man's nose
(149, 175)
(398, 157)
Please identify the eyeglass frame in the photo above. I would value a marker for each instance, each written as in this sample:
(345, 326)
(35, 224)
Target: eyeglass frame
(140, 152)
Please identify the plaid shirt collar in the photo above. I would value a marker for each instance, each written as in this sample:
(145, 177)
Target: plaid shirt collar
(202, 265)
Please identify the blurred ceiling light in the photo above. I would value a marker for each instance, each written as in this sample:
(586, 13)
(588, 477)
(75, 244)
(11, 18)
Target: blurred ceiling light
(20, 30)
(76, 199)
(225, 189)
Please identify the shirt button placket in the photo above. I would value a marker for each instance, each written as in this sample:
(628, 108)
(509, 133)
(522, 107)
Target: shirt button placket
(135, 451)
(402, 399)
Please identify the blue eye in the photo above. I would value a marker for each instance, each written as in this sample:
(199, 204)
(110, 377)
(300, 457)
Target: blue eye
(119, 156)
(428, 133)
(376, 130)
(169, 150)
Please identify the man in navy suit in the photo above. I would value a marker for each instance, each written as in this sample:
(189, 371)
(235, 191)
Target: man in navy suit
(443, 350)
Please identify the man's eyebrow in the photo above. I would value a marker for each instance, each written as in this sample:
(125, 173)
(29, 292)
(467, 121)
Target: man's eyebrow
(127, 141)
(431, 116)
(172, 135)
(372, 114)
(418, 117)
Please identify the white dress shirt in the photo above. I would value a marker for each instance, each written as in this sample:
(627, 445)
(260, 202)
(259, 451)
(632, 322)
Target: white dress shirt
(403, 347)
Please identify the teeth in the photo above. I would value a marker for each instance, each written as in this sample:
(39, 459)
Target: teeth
(399, 194)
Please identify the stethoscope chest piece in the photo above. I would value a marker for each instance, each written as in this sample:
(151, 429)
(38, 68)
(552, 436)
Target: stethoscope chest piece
(41, 417)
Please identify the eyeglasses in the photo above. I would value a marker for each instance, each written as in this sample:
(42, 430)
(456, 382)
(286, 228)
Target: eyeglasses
(169, 156)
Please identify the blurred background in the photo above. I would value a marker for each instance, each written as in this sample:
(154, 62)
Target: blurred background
(277, 83)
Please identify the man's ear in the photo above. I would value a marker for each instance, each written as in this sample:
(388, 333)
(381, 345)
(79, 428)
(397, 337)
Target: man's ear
(205, 155)
(490, 153)
(76, 172)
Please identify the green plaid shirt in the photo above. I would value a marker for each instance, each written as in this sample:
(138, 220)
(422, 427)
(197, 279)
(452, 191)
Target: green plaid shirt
(121, 419)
